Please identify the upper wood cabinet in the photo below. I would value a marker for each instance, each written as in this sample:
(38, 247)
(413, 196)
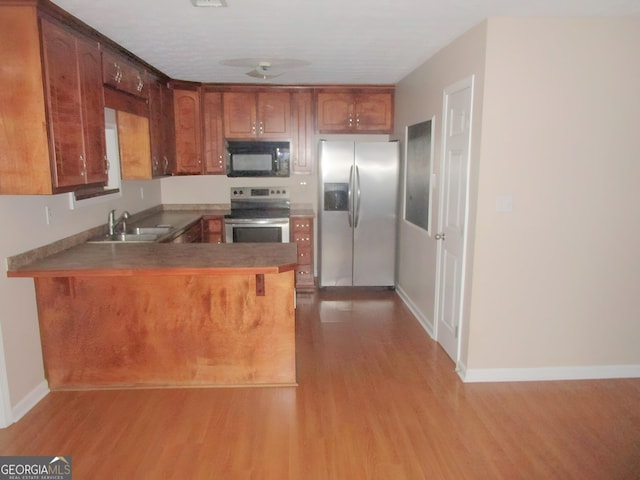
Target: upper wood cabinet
(161, 128)
(76, 107)
(188, 131)
(261, 114)
(302, 149)
(121, 73)
(354, 110)
(214, 145)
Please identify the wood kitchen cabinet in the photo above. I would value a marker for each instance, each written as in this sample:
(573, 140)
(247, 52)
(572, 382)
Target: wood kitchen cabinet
(188, 131)
(161, 128)
(214, 145)
(257, 115)
(354, 110)
(302, 149)
(302, 235)
(76, 107)
(122, 74)
(213, 229)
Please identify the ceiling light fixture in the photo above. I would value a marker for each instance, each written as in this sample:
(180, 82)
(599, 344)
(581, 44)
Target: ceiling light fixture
(209, 3)
(265, 68)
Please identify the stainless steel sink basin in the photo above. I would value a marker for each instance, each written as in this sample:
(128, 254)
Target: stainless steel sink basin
(125, 238)
(152, 230)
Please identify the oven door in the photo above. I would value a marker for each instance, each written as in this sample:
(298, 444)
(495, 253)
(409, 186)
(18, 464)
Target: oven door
(263, 230)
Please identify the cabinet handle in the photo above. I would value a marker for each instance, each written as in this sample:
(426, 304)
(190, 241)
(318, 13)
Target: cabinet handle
(140, 85)
(166, 163)
(253, 128)
(107, 165)
(261, 128)
(117, 76)
(357, 120)
(84, 166)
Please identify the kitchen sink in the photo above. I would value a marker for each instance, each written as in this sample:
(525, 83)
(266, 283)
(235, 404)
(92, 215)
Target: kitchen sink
(125, 238)
(159, 230)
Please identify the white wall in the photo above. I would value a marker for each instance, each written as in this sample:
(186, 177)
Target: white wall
(24, 227)
(419, 97)
(552, 285)
(555, 282)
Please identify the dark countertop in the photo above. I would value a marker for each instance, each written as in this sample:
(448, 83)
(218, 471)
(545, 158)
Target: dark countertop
(116, 259)
(72, 256)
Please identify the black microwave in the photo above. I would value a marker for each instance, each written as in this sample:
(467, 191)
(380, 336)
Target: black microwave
(258, 159)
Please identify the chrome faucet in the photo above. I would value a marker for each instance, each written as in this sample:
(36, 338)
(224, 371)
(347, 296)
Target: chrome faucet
(113, 223)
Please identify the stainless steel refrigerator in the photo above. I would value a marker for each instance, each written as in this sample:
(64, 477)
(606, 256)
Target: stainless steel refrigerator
(357, 221)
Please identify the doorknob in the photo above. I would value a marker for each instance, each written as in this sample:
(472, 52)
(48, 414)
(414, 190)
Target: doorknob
(439, 236)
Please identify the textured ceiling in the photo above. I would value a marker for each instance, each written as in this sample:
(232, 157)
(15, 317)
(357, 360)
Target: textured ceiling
(344, 41)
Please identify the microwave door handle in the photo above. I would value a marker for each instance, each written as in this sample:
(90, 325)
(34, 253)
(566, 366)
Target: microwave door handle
(350, 197)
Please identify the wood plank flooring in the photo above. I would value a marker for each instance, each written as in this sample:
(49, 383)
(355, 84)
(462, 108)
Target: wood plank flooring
(377, 399)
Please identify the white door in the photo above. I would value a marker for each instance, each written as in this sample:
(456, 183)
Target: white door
(453, 213)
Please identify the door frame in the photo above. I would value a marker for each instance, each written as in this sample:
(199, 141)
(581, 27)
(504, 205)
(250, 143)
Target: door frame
(468, 82)
(6, 412)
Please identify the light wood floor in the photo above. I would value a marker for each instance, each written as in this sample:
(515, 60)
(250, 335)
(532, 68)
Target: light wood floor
(377, 399)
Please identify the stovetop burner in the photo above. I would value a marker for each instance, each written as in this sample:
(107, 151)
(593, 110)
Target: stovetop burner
(259, 203)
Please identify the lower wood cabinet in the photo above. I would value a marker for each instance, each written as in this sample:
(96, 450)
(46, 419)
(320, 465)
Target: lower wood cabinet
(212, 229)
(302, 235)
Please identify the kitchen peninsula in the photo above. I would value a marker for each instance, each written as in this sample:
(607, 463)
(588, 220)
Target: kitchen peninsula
(163, 314)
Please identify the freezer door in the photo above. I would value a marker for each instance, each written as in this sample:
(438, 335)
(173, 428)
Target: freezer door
(375, 210)
(335, 231)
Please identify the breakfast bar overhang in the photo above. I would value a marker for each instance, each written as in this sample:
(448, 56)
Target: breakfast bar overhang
(153, 315)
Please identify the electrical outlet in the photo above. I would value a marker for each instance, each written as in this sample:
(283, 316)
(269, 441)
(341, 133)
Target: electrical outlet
(47, 214)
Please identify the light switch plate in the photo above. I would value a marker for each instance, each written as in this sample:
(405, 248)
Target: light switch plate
(504, 203)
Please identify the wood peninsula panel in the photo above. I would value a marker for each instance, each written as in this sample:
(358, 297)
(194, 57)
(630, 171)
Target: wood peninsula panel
(182, 330)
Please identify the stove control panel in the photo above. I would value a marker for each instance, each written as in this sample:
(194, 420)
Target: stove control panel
(259, 192)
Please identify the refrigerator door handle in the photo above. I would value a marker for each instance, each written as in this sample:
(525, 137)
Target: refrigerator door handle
(357, 201)
(349, 197)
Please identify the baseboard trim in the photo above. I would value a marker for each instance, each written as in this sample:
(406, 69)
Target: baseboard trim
(595, 372)
(422, 320)
(30, 401)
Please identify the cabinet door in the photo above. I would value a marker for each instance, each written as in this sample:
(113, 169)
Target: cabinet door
(274, 115)
(155, 127)
(65, 115)
(135, 147)
(168, 157)
(92, 102)
(374, 112)
(188, 131)
(302, 133)
(335, 112)
(213, 134)
(240, 114)
(213, 229)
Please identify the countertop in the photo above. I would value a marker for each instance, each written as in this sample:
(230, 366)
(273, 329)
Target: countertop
(140, 259)
(73, 256)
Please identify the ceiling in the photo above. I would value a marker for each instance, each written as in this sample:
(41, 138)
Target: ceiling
(343, 41)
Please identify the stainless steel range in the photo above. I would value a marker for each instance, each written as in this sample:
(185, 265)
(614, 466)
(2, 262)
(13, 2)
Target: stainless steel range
(258, 214)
